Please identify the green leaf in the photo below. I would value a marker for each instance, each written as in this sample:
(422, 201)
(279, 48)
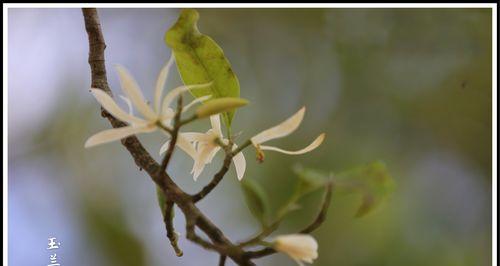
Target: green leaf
(219, 105)
(372, 181)
(256, 199)
(200, 60)
(310, 180)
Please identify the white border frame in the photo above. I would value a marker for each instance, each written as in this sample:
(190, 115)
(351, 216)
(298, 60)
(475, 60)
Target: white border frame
(493, 6)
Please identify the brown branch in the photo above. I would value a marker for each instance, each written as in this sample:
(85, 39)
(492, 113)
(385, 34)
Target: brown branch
(242, 147)
(260, 253)
(175, 133)
(222, 172)
(222, 260)
(142, 158)
(215, 181)
(169, 224)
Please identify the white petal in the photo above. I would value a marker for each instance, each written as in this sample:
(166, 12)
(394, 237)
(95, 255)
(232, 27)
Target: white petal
(281, 130)
(129, 104)
(167, 115)
(164, 147)
(309, 148)
(186, 146)
(300, 247)
(110, 105)
(196, 137)
(133, 92)
(212, 154)
(200, 161)
(116, 134)
(240, 164)
(182, 143)
(178, 91)
(215, 122)
(195, 101)
(160, 82)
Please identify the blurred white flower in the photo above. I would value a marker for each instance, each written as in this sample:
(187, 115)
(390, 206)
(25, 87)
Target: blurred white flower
(300, 247)
(284, 129)
(160, 116)
(207, 146)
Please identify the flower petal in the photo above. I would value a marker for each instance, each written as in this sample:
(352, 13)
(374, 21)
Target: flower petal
(215, 122)
(186, 146)
(240, 164)
(309, 148)
(116, 134)
(281, 130)
(300, 247)
(133, 92)
(212, 154)
(164, 147)
(110, 105)
(182, 143)
(195, 101)
(167, 116)
(196, 136)
(199, 163)
(160, 82)
(129, 104)
(178, 91)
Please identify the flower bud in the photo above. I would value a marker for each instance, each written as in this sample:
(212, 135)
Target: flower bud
(300, 247)
(219, 105)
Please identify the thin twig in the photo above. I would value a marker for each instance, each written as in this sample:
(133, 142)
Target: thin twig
(168, 217)
(241, 147)
(175, 133)
(222, 260)
(191, 235)
(215, 180)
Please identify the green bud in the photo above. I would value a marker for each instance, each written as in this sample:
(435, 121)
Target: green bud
(220, 105)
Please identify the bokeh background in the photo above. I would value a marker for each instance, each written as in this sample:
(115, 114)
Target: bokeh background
(410, 87)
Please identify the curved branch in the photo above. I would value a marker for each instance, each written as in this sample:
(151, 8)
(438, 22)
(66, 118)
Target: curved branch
(168, 218)
(215, 181)
(141, 156)
(175, 134)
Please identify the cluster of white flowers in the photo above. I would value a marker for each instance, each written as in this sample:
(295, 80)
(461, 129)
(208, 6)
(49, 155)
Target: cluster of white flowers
(201, 147)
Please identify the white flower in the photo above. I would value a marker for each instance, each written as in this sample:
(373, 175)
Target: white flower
(284, 129)
(153, 118)
(300, 247)
(207, 146)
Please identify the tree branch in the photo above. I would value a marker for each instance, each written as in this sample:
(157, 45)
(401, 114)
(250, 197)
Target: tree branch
(215, 181)
(174, 134)
(141, 157)
(168, 218)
